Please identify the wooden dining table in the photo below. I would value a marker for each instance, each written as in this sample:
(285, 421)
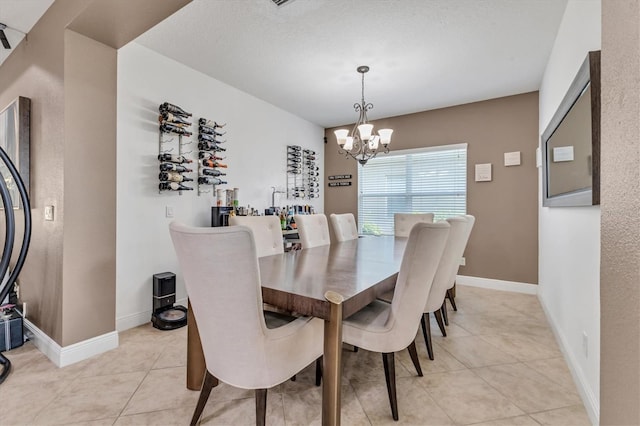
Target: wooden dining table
(329, 282)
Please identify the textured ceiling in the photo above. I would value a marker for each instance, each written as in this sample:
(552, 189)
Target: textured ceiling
(20, 15)
(423, 54)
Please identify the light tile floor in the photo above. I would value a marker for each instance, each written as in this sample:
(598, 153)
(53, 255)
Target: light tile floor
(499, 365)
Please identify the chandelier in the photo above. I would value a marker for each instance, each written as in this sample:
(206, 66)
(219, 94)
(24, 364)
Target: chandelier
(362, 145)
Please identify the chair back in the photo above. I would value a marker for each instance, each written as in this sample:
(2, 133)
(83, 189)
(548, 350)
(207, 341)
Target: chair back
(267, 232)
(448, 267)
(403, 222)
(470, 222)
(344, 226)
(313, 230)
(419, 264)
(222, 278)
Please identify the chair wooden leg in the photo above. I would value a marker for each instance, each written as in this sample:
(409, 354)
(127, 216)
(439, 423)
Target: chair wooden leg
(355, 349)
(209, 383)
(438, 316)
(388, 360)
(426, 332)
(452, 299)
(318, 371)
(293, 378)
(261, 407)
(443, 308)
(413, 353)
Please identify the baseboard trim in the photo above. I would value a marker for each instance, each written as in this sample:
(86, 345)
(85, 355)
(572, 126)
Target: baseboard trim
(139, 318)
(588, 397)
(67, 355)
(493, 284)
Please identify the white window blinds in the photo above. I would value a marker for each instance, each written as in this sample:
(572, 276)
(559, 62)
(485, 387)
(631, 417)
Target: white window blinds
(431, 180)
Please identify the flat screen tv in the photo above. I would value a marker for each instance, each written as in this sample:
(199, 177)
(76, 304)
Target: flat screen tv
(571, 143)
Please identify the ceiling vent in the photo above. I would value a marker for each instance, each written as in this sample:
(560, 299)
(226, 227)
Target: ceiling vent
(281, 2)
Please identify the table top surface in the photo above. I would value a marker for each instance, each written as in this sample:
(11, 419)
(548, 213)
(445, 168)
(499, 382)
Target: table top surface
(359, 270)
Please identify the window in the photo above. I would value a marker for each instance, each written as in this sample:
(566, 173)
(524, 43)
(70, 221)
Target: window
(429, 180)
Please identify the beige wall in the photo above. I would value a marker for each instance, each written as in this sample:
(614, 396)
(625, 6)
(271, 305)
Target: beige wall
(504, 243)
(620, 208)
(68, 280)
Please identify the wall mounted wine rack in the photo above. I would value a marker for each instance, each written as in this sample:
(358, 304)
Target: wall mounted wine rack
(302, 173)
(174, 123)
(210, 155)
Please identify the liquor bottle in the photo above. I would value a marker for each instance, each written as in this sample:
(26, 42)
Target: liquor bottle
(172, 128)
(179, 159)
(208, 146)
(173, 118)
(206, 155)
(173, 177)
(211, 172)
(174, 109)
(166, 167)
(210, 131)
(213, 164)
(208, 180)
(173, 186)
(210, 123)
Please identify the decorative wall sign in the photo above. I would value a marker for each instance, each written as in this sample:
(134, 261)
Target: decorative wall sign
(333, 184)
(483, 172)
(336, 177)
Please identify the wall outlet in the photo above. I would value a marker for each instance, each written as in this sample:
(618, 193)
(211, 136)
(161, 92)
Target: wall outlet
(168, 211)
(463, 261)
(585, 344)
(48, 212)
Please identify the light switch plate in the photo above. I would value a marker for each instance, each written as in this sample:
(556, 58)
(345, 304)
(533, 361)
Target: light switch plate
(48, 212)
(168, 211)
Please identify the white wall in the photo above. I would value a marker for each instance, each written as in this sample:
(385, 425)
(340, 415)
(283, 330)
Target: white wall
(257, 134)
(569, 238)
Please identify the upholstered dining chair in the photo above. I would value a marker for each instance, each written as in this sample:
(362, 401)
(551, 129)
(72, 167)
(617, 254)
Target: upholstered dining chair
(313, 230)
(403, 222)
(344, 226)
(222, 278)
(471, 220)
(388, 328)
(444, 278)
(267, 232)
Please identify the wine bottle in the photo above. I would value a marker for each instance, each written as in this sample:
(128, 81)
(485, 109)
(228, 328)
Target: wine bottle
(310, 157)
(308, 151)
(166, 167)
(173, 118)
(212, 164)
(179, 159)
(172, 128)
(173, 177)
(294, 160)
(203, 137)
(211, 172)
(210, 123)
(293, 148)
(294, 171)
(208, 146)
(208, 180)
(210, 131)
(174, 109)
(206, 155)
(173, 186)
